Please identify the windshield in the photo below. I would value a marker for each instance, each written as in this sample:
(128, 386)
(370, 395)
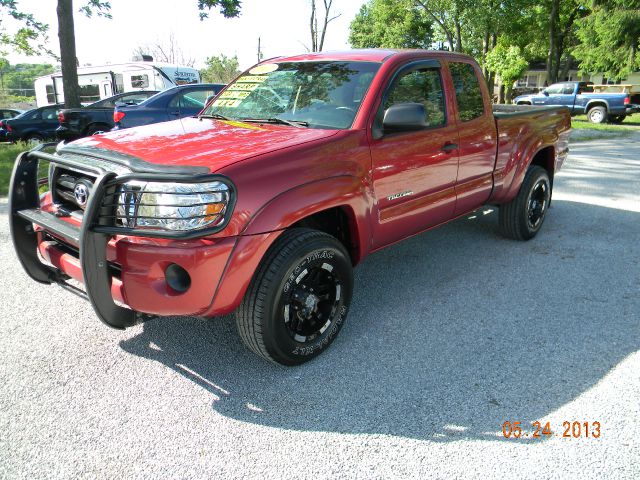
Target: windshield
(314, 94)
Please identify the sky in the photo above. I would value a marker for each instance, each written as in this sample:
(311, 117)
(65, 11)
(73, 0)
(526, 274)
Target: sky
(282, 25)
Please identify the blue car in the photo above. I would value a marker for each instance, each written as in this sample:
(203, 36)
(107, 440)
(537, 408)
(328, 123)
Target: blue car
(580, 99)
(34, 125)
(170, 104)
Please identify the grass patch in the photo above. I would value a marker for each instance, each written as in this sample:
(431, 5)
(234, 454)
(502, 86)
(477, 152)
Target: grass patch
(630, 124)
(8, 154)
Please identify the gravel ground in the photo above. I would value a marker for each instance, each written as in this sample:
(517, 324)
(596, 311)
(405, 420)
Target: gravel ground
(451, 333)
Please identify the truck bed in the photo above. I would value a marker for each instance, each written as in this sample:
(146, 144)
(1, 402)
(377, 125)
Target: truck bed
(521, 129)
(504, 111)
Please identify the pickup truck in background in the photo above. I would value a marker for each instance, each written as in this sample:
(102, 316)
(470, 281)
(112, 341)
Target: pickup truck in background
(96, 117)
(580, 98)
(264, 202)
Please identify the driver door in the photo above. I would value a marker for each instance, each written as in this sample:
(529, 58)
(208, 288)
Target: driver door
(414, 172)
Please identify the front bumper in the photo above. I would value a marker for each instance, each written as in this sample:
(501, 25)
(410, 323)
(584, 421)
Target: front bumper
(116, 267)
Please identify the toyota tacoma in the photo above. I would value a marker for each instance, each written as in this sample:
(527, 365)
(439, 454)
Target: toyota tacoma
(263, 203)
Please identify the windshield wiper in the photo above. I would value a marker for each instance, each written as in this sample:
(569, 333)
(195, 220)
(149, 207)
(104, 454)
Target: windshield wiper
(278, 121)
(217, 116)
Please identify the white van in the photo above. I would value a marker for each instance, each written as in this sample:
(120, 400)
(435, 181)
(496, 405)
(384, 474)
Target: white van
(104, 81)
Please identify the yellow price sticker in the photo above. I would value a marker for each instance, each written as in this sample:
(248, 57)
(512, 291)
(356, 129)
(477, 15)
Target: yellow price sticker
(252, 79)
(227, 103)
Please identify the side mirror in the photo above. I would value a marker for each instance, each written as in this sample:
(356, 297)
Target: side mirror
(209, 98)
(545, 93)
(403, 117)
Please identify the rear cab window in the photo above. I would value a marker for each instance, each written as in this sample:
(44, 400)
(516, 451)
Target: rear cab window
(468, 93)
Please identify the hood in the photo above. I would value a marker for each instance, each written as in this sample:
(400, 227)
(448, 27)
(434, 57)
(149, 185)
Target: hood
(205, 142)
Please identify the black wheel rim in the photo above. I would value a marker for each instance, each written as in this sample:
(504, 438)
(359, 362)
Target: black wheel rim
(311, 304)
(537, 204)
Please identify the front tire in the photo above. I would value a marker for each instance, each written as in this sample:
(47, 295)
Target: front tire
(522, 217)
(298, 299)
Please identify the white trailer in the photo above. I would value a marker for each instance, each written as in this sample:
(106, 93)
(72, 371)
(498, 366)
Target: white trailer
(104, 81)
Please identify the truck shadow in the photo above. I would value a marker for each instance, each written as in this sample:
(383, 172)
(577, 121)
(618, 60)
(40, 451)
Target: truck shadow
(450, 334)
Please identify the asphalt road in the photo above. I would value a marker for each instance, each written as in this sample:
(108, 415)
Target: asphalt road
(451, 333)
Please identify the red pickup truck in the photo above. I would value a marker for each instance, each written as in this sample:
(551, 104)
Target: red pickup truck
(264, 202)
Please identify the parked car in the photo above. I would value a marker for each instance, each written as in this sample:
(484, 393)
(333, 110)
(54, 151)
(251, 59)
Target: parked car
(35, 125)
(176, 102)
(97, 117)
(581, 99)
(3, 127)
(264, 202)
(7, 113)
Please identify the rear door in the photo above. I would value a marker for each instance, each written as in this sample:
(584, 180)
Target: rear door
(414, 172)
(477, 137)
(49, 121)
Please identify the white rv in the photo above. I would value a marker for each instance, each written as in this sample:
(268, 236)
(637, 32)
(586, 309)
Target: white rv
(104, 81)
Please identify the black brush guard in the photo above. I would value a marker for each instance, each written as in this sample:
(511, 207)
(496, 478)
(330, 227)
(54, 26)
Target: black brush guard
(96, 229)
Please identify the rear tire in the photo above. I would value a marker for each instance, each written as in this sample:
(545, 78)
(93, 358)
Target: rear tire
(597, 114)
(617, 118)
(522, 217)
(298, 299)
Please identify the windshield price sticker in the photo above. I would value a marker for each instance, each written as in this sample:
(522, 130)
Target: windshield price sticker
(227, 103)
(236, 94)
(252, 79)
(246, 87)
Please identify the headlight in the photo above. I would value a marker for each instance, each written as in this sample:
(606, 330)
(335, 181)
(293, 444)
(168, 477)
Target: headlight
(172, 206)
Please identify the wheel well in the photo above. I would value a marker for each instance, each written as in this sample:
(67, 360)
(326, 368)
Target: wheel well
(545, 158)
(596, 104)
(338, 222)
(96, 124)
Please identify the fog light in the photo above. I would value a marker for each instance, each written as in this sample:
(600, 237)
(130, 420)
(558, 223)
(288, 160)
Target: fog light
(177, 278)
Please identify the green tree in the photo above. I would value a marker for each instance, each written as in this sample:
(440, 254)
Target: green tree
(509, 64)
(609, 38)
(30, 36)
(390, 24)
(220, 69)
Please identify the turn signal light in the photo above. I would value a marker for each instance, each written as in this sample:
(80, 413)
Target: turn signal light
(117, 116)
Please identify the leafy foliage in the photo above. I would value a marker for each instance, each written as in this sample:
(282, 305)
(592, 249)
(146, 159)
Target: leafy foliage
(102, 9)
(220, 69)
(609, 38)
(30, 38)
(228, 8)
(390, 24)
(509, 63)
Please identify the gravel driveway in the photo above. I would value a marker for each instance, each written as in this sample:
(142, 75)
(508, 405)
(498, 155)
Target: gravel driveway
(451, 334)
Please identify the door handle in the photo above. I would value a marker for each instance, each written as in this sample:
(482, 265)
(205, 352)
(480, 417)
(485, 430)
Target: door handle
(449, 147)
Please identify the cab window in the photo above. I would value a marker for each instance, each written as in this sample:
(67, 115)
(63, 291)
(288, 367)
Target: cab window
(468, 93)
(191, 99)
(420, 86)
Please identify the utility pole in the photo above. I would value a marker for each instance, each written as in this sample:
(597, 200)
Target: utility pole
(259, 51)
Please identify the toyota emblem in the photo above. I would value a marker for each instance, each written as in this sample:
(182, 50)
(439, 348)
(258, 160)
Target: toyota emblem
(81, 194)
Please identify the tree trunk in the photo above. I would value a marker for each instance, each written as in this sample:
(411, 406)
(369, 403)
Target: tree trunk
(567, 66)
(314, 27)
(68, 60)
(552, 73)
(501, 93)
(458, 37)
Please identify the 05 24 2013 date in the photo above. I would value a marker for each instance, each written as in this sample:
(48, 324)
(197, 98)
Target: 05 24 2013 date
(575, 429)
